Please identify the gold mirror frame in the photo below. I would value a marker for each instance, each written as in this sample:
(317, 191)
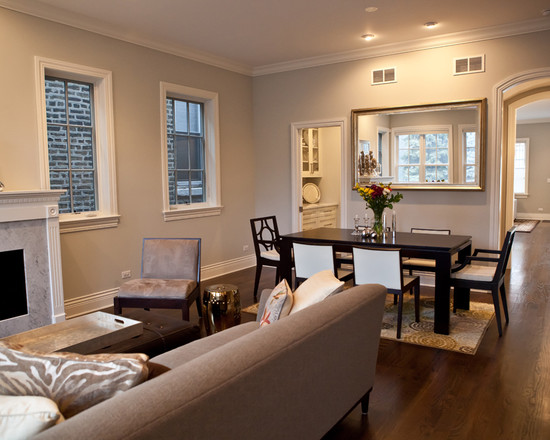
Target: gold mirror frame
(422, 112)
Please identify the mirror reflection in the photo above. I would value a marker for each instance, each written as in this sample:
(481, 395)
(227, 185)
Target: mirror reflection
(434, 146)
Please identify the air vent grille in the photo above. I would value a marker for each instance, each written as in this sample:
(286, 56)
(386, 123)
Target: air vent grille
(383, 76)
(474, 64)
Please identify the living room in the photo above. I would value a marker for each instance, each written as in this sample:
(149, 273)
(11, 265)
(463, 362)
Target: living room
(256, 111)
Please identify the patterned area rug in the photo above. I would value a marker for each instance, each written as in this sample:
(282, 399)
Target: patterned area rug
(525, 225)
(251, 309)
(467, 327)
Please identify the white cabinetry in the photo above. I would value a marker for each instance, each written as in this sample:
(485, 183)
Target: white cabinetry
(310, 153)
(321, 215)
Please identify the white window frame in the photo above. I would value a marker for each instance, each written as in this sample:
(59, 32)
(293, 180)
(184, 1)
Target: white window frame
(425, 129)
(462, 129)
(106, 216)
(523, 195)
(212, 206)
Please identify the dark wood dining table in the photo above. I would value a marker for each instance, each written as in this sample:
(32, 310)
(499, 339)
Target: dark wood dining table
(440, 248)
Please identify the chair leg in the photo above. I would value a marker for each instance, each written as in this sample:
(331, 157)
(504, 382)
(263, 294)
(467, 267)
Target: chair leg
(185, 311)
(394, 299)
(365, 403)
(117, 307)
(257, 279)
(494, 292)
(504, 303)
(277, 276)
(399, 315)
(199, 308)
(416, 292)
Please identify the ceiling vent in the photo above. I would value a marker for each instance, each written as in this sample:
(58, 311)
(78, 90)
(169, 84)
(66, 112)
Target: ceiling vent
(475, 64)
(383, 76)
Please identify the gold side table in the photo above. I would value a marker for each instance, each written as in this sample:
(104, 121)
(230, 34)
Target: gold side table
(221, 307)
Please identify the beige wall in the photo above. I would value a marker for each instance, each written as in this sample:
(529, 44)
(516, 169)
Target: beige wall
(93, 260)
(539, 171)
(423, 77)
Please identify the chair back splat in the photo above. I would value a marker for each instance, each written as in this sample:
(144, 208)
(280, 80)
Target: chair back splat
(265, 234)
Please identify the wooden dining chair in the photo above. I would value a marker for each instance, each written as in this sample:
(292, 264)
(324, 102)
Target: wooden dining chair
(423, 264)
(469, 275)
(266, 238)
(310, 259)
(384, 266)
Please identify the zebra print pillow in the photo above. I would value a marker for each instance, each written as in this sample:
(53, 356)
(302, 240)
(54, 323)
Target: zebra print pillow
(73, 381)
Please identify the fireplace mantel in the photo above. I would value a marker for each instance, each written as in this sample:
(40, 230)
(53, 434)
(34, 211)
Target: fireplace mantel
(39, 209)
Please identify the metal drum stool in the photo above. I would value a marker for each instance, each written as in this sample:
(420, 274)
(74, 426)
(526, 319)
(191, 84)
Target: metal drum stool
(221, 307)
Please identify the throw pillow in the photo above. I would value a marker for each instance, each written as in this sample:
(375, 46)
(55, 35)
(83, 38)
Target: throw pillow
(316, 288)
(73, 381)
(278, 303)
(21, 417)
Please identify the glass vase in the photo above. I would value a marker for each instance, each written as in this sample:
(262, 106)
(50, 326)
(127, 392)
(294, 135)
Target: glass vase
(378, 225)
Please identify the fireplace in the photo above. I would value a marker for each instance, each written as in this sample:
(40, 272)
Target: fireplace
(31, 291)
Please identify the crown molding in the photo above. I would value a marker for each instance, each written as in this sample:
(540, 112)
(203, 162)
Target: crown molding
(61, 16)
(452, 39)
(471, 36)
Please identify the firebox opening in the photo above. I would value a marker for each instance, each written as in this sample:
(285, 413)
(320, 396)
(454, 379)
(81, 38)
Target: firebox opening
(14, 290)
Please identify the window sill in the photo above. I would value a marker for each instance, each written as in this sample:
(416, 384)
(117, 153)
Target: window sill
(521, 196)
(187, 213)
(72, 224)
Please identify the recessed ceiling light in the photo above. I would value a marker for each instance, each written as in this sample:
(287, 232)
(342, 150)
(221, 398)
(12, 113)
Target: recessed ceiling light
(371, 9)
(367, 37)
(430, 24)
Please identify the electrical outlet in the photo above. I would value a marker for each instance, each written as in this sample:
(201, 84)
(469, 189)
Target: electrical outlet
(245, 248)
(541, 209)
(125, 274)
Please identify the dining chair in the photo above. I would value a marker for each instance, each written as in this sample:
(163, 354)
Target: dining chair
(484, 277)
(170, 277)
(310, 259)
(423, 264)
(384, 266)
(265, 234)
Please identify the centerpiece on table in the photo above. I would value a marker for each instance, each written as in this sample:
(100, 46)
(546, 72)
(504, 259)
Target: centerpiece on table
(378, 197)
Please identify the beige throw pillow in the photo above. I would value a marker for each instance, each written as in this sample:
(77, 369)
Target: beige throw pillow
(278, 304)
(73, 381)
(21, 417)
(316, 288)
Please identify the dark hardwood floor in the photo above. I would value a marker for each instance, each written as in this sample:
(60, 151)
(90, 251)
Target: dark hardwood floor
(503, 392)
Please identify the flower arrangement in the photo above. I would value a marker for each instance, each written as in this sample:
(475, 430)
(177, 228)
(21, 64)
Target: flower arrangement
(378, 197)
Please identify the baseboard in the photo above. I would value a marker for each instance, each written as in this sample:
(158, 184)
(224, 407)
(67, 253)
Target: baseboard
(532, 216)
(101, 300)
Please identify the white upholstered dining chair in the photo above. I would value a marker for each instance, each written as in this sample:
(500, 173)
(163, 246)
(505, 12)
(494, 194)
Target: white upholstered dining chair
(423, 264)
(384, 266)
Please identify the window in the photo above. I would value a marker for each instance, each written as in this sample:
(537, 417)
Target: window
(190, 152)
(77, 143)
(521, 167)
(470, 153)
(423, 155)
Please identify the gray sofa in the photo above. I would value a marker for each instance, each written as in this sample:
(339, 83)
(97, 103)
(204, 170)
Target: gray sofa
(295, 378)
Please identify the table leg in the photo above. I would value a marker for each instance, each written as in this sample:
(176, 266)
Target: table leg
(462, 294)
(286, 260)
(442, 312)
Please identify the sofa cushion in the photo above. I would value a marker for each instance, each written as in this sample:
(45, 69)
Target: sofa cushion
(278, 304)
(23, 416)
(316, 288)
(73, 381)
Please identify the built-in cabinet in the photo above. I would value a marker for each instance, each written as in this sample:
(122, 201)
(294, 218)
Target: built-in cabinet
(311, 166)
(319, 215)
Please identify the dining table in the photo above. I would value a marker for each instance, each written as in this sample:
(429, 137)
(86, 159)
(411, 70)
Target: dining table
(441, 248)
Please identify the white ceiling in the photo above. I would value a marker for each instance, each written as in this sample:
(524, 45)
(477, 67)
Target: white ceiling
(262, 36)
(538, 111)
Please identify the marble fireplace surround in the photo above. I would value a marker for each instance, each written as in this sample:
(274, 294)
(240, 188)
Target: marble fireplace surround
(29, 220)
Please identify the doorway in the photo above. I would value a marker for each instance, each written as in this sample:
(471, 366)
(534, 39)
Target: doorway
(318, 174)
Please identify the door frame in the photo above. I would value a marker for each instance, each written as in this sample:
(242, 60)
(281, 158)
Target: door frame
(295, 168)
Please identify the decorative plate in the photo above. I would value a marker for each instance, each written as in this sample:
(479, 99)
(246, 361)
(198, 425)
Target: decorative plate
(311, 193)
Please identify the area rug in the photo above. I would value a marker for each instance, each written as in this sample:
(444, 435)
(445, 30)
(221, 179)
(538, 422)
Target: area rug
(251, 309)
(525, 225)
(467, 327)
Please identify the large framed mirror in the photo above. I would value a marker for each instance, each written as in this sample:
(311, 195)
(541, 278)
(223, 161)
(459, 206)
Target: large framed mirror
(437, 146)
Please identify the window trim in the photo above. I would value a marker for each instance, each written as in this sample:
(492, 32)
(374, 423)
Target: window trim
(523, 195)
(422, 130)
(212, 206)
(107, 214)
